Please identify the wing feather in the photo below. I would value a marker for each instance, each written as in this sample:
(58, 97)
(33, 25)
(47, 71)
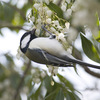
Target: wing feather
(43, 57)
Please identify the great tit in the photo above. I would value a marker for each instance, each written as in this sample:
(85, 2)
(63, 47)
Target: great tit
(49, 51)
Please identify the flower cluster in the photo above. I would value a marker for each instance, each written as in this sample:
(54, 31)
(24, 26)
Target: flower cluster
(37, 75)
(41, 14)
(53, 70)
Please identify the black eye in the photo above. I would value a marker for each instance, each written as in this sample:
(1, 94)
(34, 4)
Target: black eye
(52, 36)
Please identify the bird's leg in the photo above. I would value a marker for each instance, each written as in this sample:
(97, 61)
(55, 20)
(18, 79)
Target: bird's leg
(52, 36)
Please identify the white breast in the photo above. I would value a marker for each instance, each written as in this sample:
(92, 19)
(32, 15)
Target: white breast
(49, 45)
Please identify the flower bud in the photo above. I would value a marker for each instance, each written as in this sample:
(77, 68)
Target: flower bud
(36, 5)
(49, 13)
(48, 20)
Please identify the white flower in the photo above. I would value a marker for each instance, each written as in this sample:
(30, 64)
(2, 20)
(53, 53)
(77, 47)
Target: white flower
(47, 34)
(43, 74)
(49, 13)
(56, 22)
(50, 68)
(74, 6)
(46, 1)
(72, 35)
(36, 5)
(19, 54)
(32, 18)
(48, 20)
(33, 71)
(59, 27)
(67, 24)
(60, 36)
(39, 20)
(39, 25)
(55, 71)
(69, 50)
(45, 8)
(29, 15)
(53, 29)
(37, 80)
(40, 9)
(63, 7)
(68, 1)
(55, 1)
(68, 13)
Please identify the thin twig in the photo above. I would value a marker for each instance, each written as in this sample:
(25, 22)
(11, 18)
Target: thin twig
(21, 81)
(92, 73)
(78, 55)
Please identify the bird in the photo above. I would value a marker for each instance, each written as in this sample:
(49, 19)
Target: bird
(48, 51)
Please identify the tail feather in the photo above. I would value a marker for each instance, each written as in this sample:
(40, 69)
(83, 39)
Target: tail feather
(82, 63)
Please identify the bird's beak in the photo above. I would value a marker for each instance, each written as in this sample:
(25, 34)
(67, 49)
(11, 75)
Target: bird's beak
(33, 31)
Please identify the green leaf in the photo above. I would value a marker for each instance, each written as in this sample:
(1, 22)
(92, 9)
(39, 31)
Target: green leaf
(76, 97)
(6, 12)
(51, 96)
(56, 9)
(66, 82)
(97, 46)
(47, 82)
(2, 72)
(28, 78)
(89, 49)
(36, 94)
(60, 95)
(51, 90)
(97, 19)
(71, 96)
(14, 79)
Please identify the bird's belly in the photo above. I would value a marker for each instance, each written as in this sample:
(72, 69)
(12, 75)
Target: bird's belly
(52, 46)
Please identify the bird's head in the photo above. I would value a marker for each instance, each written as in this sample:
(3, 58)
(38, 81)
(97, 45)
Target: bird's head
(26, 39)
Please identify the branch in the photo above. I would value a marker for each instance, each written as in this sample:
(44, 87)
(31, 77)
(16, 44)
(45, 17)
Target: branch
(16, 9)
(91, 72)
(9, 25)
(21, 81)
(31, 1)
(78, 55)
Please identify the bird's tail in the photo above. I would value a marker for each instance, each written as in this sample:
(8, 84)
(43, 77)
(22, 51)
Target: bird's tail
(82, 63)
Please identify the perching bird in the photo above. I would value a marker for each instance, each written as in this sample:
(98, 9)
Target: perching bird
(49, 51)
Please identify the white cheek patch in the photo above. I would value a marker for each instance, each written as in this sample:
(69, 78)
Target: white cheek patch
(25, 41)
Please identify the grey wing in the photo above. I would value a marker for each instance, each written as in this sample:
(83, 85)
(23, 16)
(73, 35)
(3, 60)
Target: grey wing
(43, 57)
